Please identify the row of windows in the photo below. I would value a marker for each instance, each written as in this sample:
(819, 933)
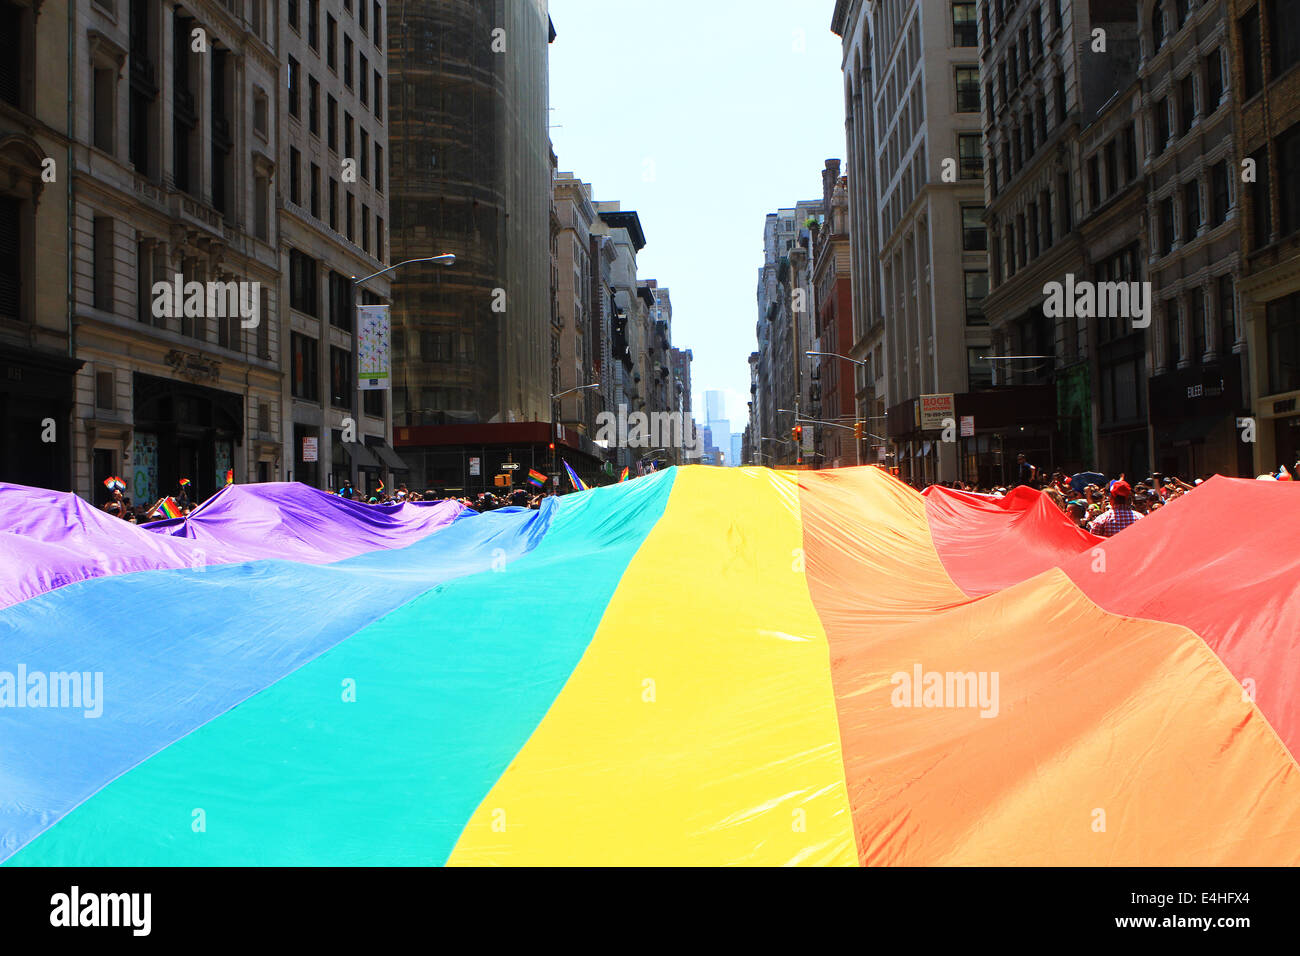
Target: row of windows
(1023, 136)
(313, 205)
(331, 25)
(1283, 30)
(305, 274)
(1001, 9)
(1286, 153)
(151, 265)
(331, 109)
(1182, 349)
(1190, 105)
(1117, 159)
(1167, 18)
(1033, 230)
(1184, 228)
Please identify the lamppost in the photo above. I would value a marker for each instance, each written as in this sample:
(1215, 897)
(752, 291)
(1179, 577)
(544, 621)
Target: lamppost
(859, 363)
(444, 259)
(555, 474)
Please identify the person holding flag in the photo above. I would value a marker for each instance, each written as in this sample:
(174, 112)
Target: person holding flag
(578, 483)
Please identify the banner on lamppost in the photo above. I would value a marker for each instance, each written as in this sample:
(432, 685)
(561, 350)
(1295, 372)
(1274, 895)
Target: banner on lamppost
(373, 365)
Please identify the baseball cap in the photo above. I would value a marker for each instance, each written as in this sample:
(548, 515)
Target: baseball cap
(1120, 488)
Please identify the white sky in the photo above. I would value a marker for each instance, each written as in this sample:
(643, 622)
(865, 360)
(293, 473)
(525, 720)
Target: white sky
(703, 116)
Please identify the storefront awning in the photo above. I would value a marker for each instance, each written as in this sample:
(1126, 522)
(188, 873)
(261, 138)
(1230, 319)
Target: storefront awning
(390, 458)
(361, 455)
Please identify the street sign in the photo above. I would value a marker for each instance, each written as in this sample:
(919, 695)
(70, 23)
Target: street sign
(934, 410)
(510, 466)
(309, 449)
(475, 467)
(967, 426)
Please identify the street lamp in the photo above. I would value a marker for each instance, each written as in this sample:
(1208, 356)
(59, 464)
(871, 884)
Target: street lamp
(444, 259)
(857, 445)
(555, 475)
(857, 362)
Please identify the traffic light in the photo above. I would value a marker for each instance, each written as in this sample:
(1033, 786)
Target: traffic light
(797, 433)
(857, 430)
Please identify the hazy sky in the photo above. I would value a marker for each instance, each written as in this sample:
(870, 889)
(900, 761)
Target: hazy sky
(703, 116)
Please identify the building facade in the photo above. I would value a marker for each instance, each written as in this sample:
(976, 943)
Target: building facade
(576, 359)
(1265, 68)
(913, 102)
(333, 201)
(175, 259)
(37, 365)
(833, 390)
(851, 22)
(471, 173)
(1196, 350)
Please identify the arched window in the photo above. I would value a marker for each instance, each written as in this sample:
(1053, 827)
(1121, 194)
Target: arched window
(1158, 25)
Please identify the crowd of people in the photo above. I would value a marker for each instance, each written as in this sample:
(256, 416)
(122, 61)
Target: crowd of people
(1103, 507)
(121, 506)
(481, 502)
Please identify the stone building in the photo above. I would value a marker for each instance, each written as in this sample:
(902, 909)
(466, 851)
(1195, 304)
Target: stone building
(172, 165)
(575, 363)
(470, 162)
(1265, 74)
(333, 227)
(913, 104)
(833, 388)
(1197, 389)
(37, 368)
(850, 21)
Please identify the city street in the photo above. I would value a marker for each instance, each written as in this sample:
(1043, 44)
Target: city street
(584, 433)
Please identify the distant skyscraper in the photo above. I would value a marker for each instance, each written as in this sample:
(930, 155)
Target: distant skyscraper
(735, 458)
(715, 406)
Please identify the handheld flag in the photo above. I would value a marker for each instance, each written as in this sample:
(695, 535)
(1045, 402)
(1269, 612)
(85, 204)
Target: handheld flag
(170, 508)
(1283, 474)
(184, 482)
(114, 484)
(623, 476)
(230, 476)
(536, 478)
(578, 483)
(381, 485)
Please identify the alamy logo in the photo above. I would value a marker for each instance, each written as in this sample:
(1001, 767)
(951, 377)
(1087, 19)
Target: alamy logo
(1098, 300)
(57, 689)
(655, 430)
(211, 300)
(75, 908)
(946, 689)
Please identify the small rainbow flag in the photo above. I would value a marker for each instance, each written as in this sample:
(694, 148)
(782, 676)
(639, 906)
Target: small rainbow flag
(114, 484)
(624, 474)
(578, 483)
(230, 476)
(536, 478)
(381, 485)
(170, 508)
(184, 482)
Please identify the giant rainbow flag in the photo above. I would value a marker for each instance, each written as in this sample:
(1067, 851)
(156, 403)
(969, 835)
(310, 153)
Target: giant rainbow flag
(707, 666)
